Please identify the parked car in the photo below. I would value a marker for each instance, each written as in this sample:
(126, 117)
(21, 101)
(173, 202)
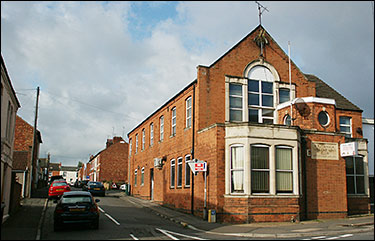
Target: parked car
(96, 188)
(76, 207)
(83, 184)
(57, 177)
(57, 189)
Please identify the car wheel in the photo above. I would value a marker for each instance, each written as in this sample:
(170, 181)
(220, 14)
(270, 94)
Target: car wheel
(56, 227)
(95, 224)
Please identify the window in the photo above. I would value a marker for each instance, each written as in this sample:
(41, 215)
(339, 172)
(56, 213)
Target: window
(143, 139)
(135, 177)
(188, 112)
(9, 122)
(173, 166)
(284, 170)
(284, 95)
(345, 126)
(187, 171)
(235, 102)
(161, 128)
(130, 147)
(136, 143)
(142, 176)
(323, 118)
(151, 134)
(260, 169)
(237, 169)
(287, 120)
(355, 177)
(260, 95)
(179, 172)
(174, 121)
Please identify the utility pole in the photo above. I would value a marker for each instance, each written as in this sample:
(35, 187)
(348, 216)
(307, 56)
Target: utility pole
(34, 140)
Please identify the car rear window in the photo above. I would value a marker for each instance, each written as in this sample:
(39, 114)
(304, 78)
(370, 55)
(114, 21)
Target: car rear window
(97, 184)
(75, 199)
(59, 184)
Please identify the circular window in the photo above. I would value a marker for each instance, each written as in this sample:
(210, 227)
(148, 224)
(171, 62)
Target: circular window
(323, 118)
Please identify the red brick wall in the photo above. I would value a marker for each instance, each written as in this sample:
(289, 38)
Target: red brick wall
(23, 138)
(211, 84)
(172, 147)
(326, 182)
(358, 205)
(114, 163)
(247, 210)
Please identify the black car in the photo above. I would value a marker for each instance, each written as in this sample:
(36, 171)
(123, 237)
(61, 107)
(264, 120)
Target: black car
(96, 188)
(76, 207)
(83, 184)
(53, 178)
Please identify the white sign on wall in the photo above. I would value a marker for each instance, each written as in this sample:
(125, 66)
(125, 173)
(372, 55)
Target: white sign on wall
(349, 149)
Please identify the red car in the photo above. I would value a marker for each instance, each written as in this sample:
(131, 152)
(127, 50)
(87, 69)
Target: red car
(58, 188)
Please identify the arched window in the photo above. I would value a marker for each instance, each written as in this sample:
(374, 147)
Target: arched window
(261, 95)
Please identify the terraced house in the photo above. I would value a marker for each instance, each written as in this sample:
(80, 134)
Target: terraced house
(271, 135)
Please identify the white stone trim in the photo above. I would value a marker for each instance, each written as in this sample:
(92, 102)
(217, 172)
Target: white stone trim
(310, 99)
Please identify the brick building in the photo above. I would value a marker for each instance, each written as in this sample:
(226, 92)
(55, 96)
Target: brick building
(272, 146)
(110, 164)
(23, 142)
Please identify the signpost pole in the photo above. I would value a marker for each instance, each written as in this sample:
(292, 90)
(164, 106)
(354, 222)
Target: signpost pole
(205, 196)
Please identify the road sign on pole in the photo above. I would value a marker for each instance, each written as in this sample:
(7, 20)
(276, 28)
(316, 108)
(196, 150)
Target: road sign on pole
(198, 166)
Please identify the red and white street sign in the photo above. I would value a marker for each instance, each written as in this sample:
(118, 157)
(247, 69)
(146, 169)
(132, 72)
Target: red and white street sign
(198, 166)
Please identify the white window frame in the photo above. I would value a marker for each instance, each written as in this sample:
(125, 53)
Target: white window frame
(135, 176)
(173, 173)
(142, 176)
(349, 134)
(174, 119)
(136, 143)
(187, 170)
(161, 128)
(151, 134)
(261, 107)
(179, 171)
(263, 170)
(130, 146)
(237, 169)
(188, 112)
(236, 96)
(143, 138)
(285, 171)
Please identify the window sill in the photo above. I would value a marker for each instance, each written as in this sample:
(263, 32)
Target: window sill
(172, 136)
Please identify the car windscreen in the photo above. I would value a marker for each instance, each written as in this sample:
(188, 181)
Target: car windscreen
(75, 199)
(59, 184)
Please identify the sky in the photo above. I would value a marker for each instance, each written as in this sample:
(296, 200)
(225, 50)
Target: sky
(104, 67)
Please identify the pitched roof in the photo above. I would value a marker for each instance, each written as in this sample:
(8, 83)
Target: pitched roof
(325, 91)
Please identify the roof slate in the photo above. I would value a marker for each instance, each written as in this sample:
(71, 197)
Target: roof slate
(323, 90)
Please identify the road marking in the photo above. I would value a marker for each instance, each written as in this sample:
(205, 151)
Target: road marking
(168, 233)
(165, 233)
(114, 220)
(346, 235)
(133, 237)
(319, 237)
(109, 216)
(331, 238)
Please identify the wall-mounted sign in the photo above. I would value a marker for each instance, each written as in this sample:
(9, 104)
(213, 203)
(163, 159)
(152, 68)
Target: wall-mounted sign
(324, 150)
(349, 149)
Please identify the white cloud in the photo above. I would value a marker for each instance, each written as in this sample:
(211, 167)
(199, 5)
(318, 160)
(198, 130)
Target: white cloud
(97, 76)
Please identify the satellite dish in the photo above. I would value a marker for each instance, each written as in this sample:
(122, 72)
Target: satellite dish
(302, 107)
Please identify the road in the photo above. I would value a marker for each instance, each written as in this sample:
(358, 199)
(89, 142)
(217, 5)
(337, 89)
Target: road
(121, 218)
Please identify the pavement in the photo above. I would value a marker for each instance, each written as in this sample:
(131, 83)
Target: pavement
(26, 223)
